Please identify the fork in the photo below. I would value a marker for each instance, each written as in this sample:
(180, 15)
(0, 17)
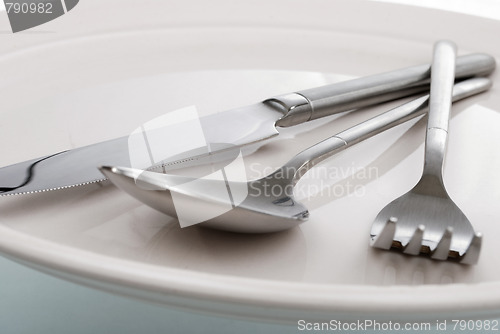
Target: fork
(425, 221)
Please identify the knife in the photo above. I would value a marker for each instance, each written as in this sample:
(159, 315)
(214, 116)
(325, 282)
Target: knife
(240, 126)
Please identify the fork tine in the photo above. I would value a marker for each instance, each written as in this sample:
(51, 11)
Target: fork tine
(443, 248)
(415, 244)
(386, 236)
(471, 255)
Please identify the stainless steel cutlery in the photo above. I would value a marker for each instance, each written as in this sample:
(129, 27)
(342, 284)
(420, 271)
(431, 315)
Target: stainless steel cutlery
(240, 126)
(424, 221)
(263, 210)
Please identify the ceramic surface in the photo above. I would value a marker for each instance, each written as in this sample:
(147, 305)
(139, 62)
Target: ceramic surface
(65, 90)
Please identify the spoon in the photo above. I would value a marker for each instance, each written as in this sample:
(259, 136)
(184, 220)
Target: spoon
(269, 204)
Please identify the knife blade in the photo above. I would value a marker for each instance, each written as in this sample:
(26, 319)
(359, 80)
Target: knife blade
(241, 126)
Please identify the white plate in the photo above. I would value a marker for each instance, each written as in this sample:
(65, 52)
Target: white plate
(90, 82)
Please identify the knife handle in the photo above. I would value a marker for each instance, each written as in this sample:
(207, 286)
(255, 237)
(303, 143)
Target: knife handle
(310, 104)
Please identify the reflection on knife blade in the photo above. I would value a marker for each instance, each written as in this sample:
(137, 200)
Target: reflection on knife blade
(240, 126)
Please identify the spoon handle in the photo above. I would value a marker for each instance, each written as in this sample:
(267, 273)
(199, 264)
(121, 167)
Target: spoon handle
(313, 155)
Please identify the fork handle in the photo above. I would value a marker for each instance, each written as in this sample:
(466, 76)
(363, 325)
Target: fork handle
(442, 78)
(308, 158)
